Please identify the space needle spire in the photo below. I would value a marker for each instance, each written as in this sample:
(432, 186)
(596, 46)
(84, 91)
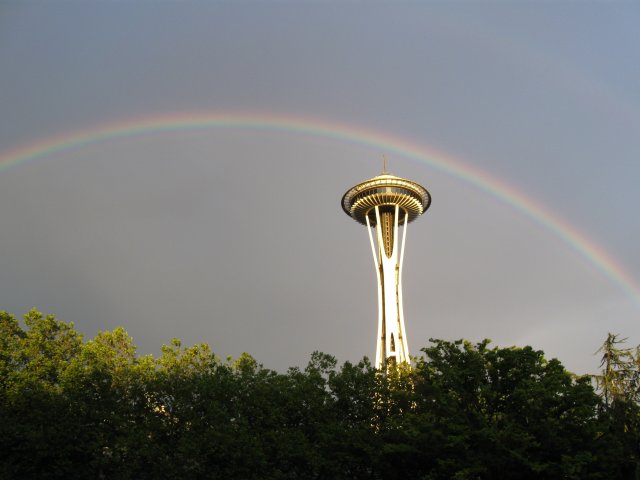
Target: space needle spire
(385, 205)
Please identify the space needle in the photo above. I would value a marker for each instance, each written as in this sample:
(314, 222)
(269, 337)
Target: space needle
(386, 204)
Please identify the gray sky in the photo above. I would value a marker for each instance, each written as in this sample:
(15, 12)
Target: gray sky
(235, 237)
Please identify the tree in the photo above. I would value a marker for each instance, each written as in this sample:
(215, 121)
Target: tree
(616, 380)
(502, 413)
(35, 435)
(95, 409)
(619, 383)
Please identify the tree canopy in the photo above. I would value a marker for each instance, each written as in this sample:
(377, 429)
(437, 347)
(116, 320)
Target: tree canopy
(71, 408)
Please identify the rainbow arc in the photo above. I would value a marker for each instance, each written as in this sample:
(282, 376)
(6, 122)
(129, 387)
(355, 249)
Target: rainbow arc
(381, 141)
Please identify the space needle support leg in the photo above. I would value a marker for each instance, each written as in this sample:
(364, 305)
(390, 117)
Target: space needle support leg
(404, 236)
(376, 261)
(405, 345)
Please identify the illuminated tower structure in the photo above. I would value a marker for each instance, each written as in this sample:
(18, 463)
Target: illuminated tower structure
(385, 205)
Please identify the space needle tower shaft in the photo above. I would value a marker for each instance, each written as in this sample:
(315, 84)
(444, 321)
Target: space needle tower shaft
(385, 205)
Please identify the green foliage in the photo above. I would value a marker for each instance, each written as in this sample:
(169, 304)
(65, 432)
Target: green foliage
(504, 413)
(619, 384)
(95, 409)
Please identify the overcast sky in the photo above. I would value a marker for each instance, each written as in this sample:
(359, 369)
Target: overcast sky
(235, 236)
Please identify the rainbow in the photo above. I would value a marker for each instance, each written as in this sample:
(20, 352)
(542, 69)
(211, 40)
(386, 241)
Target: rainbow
(383, 142)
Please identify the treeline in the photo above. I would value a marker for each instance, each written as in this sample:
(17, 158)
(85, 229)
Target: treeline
(75, 409)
